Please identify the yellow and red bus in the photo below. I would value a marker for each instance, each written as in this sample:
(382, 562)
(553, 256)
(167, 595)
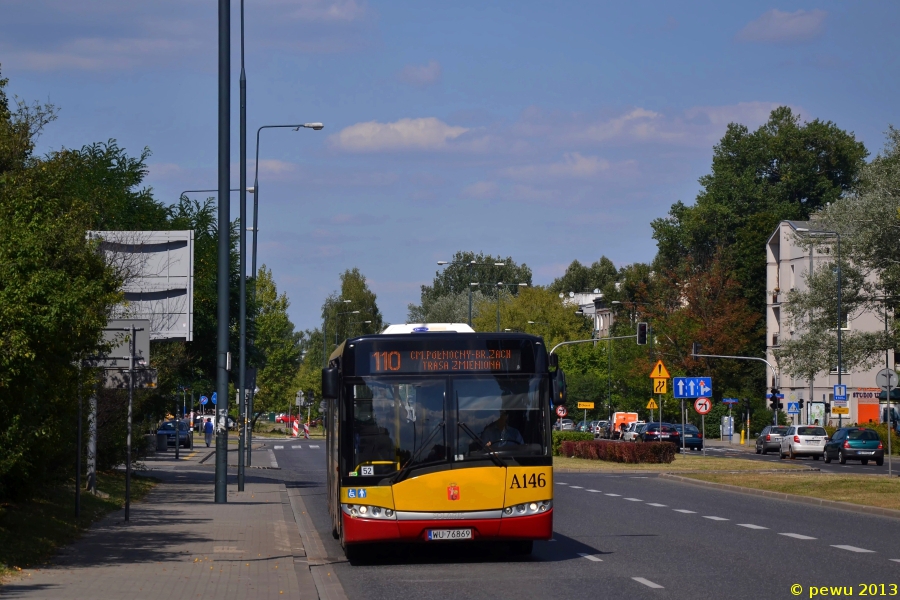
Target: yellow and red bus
(439, 436)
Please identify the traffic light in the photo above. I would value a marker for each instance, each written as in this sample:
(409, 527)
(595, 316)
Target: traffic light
(695, 349)
(642, 334)
(800, 403)
(828, 408)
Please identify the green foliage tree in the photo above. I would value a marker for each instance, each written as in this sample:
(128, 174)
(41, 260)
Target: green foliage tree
(868, 220)
(341, 318)
(784, 170)
(454, 280)
(581, 278)
(279, 346)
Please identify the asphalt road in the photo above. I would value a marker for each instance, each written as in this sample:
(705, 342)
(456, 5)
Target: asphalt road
(853, 467)
(643, 537)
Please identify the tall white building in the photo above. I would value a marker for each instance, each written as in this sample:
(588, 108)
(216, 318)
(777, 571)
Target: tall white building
(787, 265)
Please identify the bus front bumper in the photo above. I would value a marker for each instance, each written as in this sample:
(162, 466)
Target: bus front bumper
(529, 527)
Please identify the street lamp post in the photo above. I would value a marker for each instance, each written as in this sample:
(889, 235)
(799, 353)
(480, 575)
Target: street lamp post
(840, 364)
(349, 312)
(470, 264)
(499, 285)
(255, 189)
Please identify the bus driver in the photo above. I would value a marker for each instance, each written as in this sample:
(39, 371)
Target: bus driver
(500, 434)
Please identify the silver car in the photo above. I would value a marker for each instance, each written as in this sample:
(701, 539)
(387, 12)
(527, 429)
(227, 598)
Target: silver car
(804, 440)
(632, 432)
(770, 439)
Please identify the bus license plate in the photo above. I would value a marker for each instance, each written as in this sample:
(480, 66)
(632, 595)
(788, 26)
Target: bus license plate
(449, 534)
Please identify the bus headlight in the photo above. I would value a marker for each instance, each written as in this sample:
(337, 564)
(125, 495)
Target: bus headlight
(532, 508)
(364, 511)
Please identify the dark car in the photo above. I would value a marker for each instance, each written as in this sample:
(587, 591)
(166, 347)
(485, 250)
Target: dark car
(693, 439)
(184, 435)
(855, 443)
(770, 439)
(656, 432)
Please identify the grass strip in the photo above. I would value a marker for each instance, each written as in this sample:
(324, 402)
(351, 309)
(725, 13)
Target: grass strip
(865, 490)
(33, 530)
(682, 463)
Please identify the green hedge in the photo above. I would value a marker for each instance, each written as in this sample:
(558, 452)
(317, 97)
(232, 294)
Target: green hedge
(654, 452)
(569, 436)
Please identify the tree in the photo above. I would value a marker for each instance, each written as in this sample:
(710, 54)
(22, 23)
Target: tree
(784, 170)
(455, 279)
(341, 318)
(868, 220)
(579, 278)
(278, 344)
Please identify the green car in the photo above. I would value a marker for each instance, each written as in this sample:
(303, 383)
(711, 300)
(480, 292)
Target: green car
(855, 443)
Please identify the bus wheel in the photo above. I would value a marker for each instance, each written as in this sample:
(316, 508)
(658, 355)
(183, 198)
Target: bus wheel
(521, 548)
(334, 533)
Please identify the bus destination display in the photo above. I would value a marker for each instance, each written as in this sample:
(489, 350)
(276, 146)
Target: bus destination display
(444, 360)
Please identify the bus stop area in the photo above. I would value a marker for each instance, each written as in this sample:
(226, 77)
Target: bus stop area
(179, 544)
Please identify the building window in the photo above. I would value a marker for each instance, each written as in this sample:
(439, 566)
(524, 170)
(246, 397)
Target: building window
(844, 370)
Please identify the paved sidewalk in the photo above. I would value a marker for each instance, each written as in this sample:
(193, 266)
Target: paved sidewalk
(179, 544)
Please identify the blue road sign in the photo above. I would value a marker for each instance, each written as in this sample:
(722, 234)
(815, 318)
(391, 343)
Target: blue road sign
(691, 387)
(730, 400)
(840, 392)
(793, 408)
(215, 397)
(203, 399)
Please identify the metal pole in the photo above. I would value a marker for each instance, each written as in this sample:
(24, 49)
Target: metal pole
(840, 416)
(242, 353)
(324, 343)
(92, 439)
(682, 426)
(703, 424)
(470, 294)
(498, 308)
(223, 271)
(78, 454)
(609, 373)
(128, 425)
(177, 429)
(887, 365)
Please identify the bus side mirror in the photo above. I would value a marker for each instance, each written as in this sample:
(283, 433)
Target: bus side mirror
(330, 383)
(558, 387)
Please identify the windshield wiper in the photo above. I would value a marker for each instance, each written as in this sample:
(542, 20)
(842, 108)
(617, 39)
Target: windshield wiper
(497, 460)
(404, 471)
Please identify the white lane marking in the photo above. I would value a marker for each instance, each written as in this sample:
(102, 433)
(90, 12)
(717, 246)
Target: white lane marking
(687, 512)
(751, 526)
(279, 447)
(640, 477)
(576, 487)
(797, 536)
(595, 491)
(657, 505)
(561, 483)
(295, 447)
(272, 461)
(615, 495)
(589, 557)
(312, 446)
(716, 518)
(851, 548)
(633, 499)
(648, 583)
(894, 559)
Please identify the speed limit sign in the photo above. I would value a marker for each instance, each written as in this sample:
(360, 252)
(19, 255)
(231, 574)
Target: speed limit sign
(561, 411)
(702, 405)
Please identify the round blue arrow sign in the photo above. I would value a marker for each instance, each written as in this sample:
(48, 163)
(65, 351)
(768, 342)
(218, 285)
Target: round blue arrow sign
(215, 397)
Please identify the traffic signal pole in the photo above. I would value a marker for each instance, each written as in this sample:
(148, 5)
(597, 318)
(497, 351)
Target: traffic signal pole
(762, 360)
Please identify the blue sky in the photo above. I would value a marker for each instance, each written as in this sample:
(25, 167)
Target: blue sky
(542, 131)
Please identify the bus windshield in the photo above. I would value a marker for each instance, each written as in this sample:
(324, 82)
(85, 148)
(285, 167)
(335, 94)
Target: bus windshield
(404, 423)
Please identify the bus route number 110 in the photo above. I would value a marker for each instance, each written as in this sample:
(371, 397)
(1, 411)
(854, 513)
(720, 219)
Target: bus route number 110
(387, 360)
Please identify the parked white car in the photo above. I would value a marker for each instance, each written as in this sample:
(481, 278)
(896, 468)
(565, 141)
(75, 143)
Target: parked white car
(804, 440)
(632, 432)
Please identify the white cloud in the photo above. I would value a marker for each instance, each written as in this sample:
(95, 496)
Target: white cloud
(421, 76)
(481, 190)
(776, 26)
(748, 113)
(100, 54)
(573, 165)
(406, 134)
(326, 10)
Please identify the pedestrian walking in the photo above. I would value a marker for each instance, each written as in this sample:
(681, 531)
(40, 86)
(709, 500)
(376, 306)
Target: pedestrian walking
(208, 430)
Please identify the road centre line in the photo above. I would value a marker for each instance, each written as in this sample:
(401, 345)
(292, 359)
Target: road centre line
(279, 447)
(576, 487)
(687, 512)
(589, 557)
(561, 483)
(894, 560)
(633, 499)
(313, 446)
(657, 505)
(615, 495)
(595, 491)
(295, 447)
(716, 518)
(751, 526)
(851, 548)
(648, 583)
(798, 536)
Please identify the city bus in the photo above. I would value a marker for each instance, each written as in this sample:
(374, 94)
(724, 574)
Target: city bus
(437, 435)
